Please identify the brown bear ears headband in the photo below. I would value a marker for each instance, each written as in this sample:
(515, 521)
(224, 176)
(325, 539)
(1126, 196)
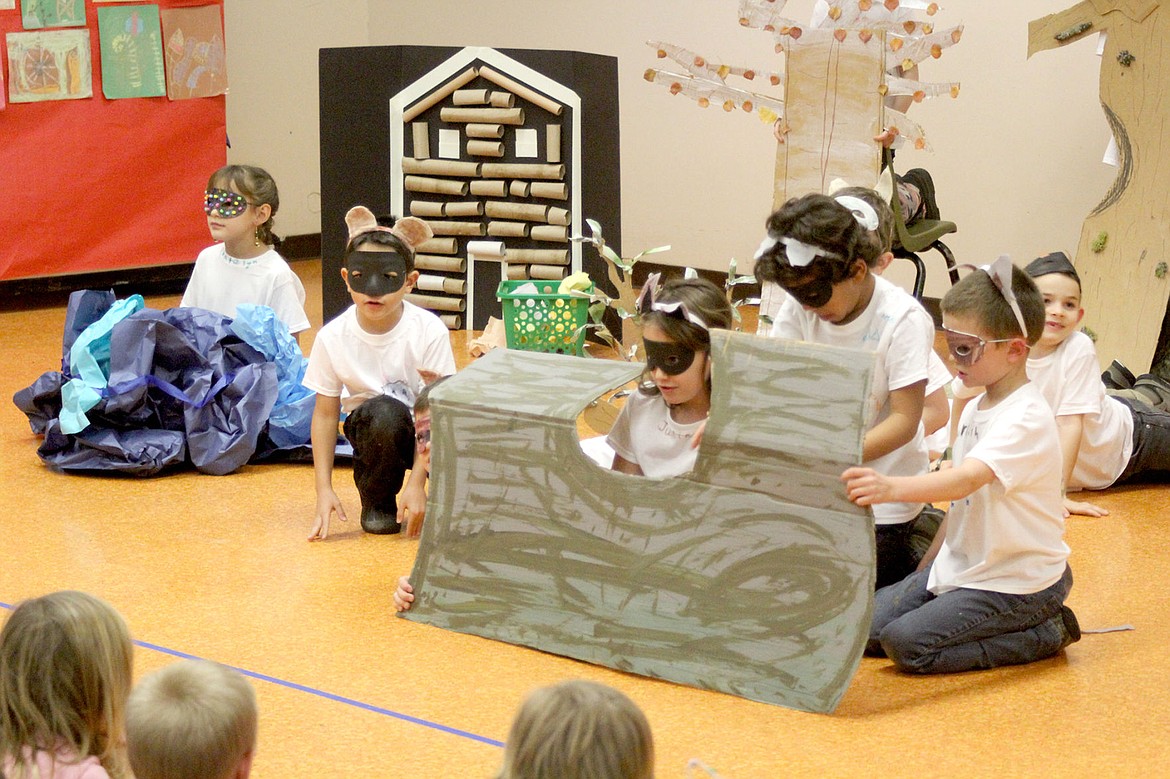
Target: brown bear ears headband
(410, 230)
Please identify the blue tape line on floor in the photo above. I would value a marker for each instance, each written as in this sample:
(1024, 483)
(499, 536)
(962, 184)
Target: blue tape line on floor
(321, 694)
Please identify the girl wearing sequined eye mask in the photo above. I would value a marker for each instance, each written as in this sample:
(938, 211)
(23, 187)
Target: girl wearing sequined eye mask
(652, 435)
(243, 267)
(817, 248)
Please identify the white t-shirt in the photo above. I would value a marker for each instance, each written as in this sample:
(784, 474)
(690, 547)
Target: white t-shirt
(1007, 536)
(645, 434)
(221, 282)
(896, 328)
(1070, 380)
(352, 364)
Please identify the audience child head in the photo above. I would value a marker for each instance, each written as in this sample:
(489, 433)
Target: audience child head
(676, 320)
(822, 253)
(579, 730)
(65, 673)
(192, 719)
(241, 202)
(882, 236)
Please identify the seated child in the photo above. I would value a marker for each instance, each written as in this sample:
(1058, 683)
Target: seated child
(370, 362)
(652, 434)
(65, 671)
(243, 267)
(192, 718)
(998, 573)
(1104, 440)
(579, 730)
(821, 252)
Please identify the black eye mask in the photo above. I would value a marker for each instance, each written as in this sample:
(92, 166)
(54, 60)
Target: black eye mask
(671, 358)
(812, 286)
(375, 273)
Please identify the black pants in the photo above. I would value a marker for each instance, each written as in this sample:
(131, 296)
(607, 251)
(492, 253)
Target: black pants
(382, 433)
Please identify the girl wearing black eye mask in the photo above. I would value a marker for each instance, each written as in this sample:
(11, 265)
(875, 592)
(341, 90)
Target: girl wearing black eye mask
(652, 435)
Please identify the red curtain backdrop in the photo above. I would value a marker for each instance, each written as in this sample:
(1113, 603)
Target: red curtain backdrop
(95, 184)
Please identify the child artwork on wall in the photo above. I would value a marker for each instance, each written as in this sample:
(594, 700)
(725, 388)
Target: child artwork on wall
(36, 14)
(48, 66)
(194, 50)
(132, 58)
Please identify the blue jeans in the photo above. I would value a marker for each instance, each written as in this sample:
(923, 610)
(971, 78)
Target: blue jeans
(965, 629)
(1150, 459)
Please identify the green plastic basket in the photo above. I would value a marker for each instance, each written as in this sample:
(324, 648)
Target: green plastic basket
(544, 321)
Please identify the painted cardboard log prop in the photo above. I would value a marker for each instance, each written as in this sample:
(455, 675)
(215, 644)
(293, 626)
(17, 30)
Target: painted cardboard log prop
(752, 575)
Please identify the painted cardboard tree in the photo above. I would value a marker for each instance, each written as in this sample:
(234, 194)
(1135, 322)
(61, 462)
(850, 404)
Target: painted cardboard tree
(1123, 249)
(837, 72)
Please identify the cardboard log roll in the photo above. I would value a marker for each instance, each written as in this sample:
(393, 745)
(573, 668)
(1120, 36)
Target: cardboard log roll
(502, 100)
(439, 94)
(476, 148)
(485, 250)
(495, 131)
(425, 208)
(539, 256)
(549, 233)
(422, 143)
(552, 190)
(527, 211)
(519, 188)
(429, 283)
(437, 246)
(482, 115)
(516, 88)
(485, 188)
(508, 229)
(558, 216)
(552, 142)
(470, 97)
(468, 208)
(437, 303)
(546, 272)
(456, 228)
(435, 186)
(452, 321)
(467, 170)
(516, 272)
(521, 170)
(433, 262)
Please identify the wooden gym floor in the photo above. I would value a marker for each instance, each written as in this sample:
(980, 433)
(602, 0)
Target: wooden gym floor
(218, 568)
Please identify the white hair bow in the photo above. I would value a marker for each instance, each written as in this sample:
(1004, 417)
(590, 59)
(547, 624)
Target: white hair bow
(646, 303)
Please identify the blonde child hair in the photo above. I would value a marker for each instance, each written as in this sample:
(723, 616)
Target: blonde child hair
(578, 730)
(191, 718)
(65, 671)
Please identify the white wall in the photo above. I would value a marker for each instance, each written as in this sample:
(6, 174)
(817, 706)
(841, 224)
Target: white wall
(1016, 157)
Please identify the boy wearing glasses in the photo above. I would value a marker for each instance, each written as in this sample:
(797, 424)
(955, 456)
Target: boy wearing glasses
(1104, 440)
(993, 586)
(243, 267)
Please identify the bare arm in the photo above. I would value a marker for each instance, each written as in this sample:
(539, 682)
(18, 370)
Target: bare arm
(323, 435)
(866, 486)
(413, 508)
(899, 427)
(936, 411)
(622, 465)
(957, 407)
(1070, 428)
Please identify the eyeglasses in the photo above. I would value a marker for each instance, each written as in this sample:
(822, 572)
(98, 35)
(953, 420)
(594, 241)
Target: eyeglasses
(228, 204)
(967, 349)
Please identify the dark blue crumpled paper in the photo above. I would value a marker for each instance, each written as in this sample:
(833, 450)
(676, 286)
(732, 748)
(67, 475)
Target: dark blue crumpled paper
(168, 388)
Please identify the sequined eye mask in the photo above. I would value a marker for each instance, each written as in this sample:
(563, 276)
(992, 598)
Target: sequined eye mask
(228, 204)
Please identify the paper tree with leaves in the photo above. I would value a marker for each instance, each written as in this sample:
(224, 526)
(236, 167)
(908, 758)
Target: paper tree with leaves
(837, 72)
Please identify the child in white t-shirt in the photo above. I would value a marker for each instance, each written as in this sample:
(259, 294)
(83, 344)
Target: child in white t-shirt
(998, 573)
(652, 435)
(1104, 440)
(243, 267)
(819, 249)
(371, 361)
